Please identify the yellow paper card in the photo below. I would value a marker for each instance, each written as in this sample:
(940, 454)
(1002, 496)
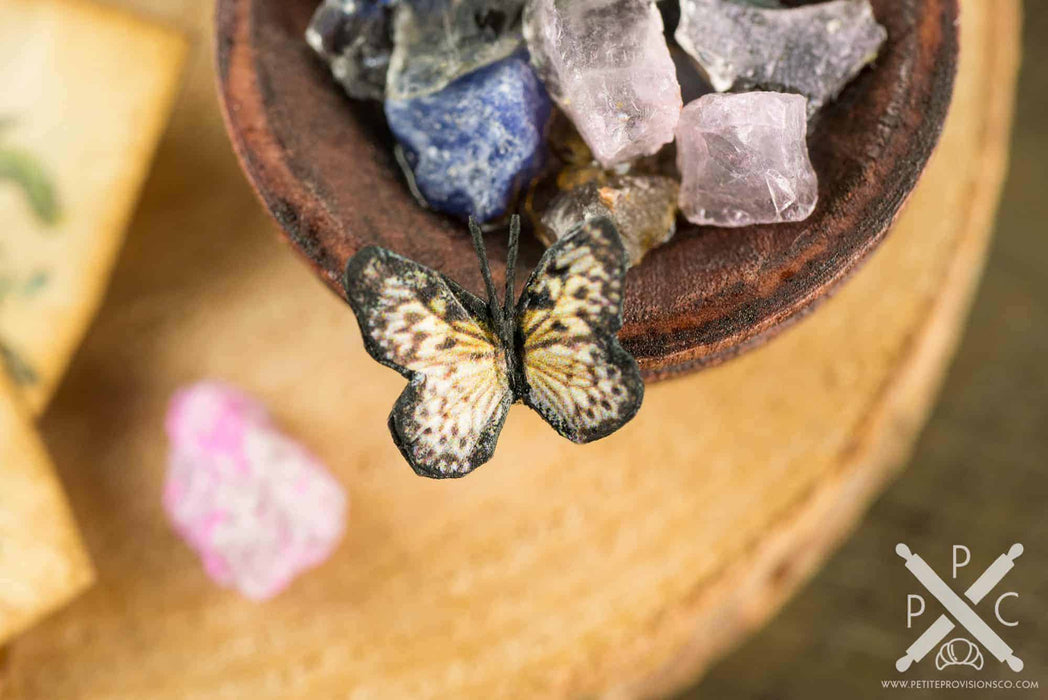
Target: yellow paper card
(84, 95)
(42, 561)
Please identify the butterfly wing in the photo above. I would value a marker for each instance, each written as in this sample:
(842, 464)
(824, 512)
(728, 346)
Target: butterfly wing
(439, 336)
(577, 376)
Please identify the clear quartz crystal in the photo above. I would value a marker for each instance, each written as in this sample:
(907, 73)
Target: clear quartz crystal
(438, 41)
(813, 50)
(354, 37)
(607, 65)
(744, 160)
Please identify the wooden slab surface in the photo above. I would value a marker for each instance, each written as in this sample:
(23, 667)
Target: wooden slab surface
(621, 568)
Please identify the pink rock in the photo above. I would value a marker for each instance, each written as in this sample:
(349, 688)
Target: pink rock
(255, 505)
(607, 65)
(744, 160)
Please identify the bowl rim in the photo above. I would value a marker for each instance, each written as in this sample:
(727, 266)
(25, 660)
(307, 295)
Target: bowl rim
(665, 341)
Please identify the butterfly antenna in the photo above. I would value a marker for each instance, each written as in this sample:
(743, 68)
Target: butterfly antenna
(485, 270)
(511, 265)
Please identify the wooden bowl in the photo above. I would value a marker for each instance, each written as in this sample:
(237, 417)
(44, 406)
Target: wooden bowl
(325, 169)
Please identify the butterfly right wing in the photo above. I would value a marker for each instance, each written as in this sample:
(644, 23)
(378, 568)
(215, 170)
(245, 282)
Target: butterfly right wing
(438, 335)
(577, 376)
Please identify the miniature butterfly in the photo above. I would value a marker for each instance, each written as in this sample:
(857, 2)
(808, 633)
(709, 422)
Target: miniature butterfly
(555, 349)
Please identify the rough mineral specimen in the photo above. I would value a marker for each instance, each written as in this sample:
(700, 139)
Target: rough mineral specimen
(643, 207)
(438, 41)
(607, 65)
(255, 506)
(744, 160)
(355, 38)
(814, 50)
(475, 144)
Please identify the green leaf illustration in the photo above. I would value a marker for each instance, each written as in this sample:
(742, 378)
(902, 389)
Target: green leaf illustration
(17, 368)
(27, 172)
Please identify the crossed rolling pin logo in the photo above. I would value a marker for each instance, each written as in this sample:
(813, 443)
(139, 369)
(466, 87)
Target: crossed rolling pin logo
(959, 651)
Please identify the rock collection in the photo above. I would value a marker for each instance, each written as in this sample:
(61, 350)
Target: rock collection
(470, 86)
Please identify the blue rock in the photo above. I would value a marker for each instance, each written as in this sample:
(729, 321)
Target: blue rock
(472, 146)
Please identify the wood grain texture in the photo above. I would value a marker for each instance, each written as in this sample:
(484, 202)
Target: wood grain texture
(325, 169)
(977, 475)
(618, 569)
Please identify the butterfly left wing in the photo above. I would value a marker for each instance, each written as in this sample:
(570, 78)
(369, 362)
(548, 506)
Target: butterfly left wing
(438, 335)
(576, 374)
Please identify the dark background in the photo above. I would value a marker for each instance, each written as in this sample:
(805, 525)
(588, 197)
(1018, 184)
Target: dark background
(978, 477)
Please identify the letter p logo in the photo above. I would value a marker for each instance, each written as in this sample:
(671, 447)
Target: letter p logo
(911, 611)
(958, 563)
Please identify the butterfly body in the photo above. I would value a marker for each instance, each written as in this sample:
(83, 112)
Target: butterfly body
(467, 360)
